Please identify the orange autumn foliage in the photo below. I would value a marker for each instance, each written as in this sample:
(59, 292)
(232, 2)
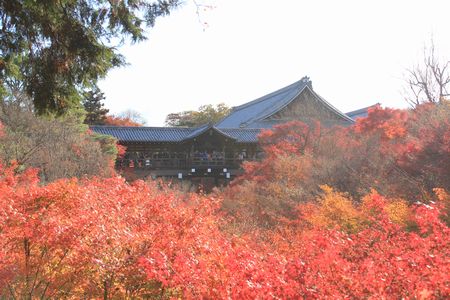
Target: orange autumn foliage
(112, 120)
(402, 154)
(388, 123)
(85, 238)
(106, 238)
(278, 232)
(443, 199)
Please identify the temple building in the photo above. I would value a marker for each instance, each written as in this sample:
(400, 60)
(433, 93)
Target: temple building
(217, 150)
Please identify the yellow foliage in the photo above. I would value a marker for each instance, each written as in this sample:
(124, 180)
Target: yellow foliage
(398, 212)
(444, 198)
(335, 209)
(396, 209)
(442, 195)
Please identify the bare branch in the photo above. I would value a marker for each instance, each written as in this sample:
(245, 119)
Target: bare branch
(198, 8)
(429, 81)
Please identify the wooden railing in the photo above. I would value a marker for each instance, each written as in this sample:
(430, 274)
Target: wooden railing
(179, 163)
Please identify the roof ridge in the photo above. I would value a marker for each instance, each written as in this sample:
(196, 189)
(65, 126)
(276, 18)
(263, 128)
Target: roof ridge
(241, 128)
(280, 107)
(333, 108)
(279, 91)
(144, 127)
(196, 131)
(204, 128)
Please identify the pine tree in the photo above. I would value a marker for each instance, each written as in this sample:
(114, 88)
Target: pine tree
(95, 112)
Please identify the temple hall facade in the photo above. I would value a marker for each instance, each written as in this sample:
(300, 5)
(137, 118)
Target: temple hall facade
(216, 151)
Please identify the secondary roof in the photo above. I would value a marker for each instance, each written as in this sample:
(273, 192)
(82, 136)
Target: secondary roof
(173, 134)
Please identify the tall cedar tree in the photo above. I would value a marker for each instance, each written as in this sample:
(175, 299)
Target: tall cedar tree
(95, 112)
(59, 48)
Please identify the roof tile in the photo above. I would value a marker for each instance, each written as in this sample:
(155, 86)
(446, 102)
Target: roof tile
(172, 134)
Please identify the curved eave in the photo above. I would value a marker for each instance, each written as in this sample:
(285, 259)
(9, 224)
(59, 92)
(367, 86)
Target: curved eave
(196, 132)
(243, 135)
(334, 109)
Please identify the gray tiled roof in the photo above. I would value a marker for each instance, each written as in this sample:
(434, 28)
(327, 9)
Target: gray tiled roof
(243, 135)
(253, 114)
(249, 112)
(197, 131)
(360, 113)
(200, 130)
(172, 134)
(263, 124)
(144, 134)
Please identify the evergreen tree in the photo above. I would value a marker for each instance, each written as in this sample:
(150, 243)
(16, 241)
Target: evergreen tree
(60, 48)
(95, 112)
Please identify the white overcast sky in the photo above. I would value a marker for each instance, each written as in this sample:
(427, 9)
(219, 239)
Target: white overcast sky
(355, 52)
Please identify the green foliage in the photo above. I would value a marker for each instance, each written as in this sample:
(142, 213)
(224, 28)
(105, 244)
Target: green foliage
(95, 112)
(58, 48)
(60, 147)
(205, 114)
(107, 143)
